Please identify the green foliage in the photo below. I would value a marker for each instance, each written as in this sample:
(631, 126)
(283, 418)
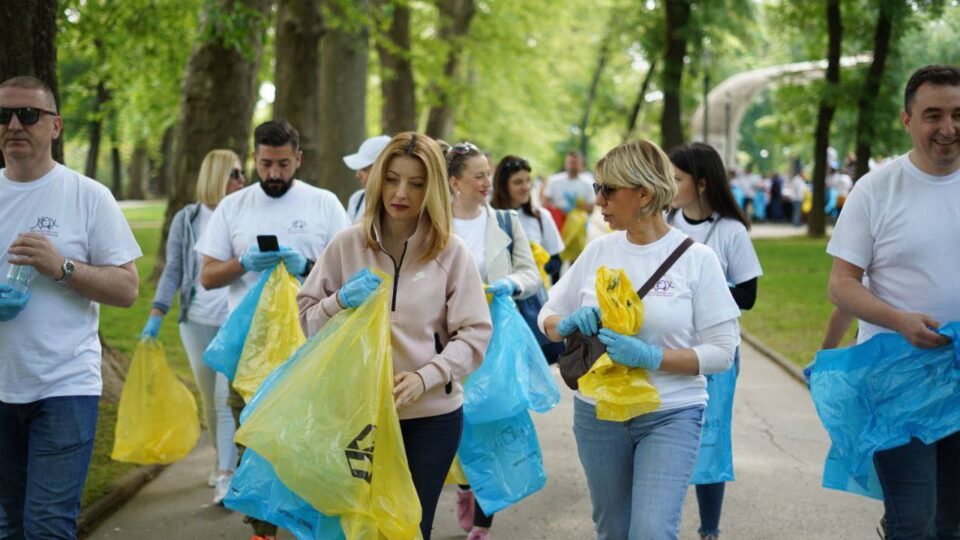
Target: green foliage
(230, 24)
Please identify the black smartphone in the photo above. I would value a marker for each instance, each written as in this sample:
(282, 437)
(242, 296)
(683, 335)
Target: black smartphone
(267, 242)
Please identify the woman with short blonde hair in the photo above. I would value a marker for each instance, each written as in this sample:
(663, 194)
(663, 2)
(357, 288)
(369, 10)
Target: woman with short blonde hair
(202, 311)
(638, 470)
(440, 323)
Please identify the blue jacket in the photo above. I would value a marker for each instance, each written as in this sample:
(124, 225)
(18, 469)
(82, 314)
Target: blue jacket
(183, 263)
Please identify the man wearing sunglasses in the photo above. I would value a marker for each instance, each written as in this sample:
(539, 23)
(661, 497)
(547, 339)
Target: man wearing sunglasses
(66, 231)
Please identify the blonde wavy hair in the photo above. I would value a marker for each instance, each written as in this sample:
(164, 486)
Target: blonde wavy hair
(640, 164)
(214, 175)
(436, 203)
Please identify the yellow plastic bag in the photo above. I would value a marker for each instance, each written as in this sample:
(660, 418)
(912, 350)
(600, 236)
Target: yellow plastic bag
(574, 234)
(621, 392)
(541, 257)
(157, 419)
(329, 426)
(274, 333)
(456, 474)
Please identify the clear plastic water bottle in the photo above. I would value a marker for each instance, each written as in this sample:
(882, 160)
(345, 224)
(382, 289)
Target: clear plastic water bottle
(19, 277)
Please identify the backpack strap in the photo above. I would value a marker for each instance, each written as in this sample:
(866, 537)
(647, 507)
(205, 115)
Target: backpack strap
(506, 225)
(642, 291)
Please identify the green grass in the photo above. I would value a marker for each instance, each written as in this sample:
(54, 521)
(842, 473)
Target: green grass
(121, 329)
(792, 307)
(151, 213)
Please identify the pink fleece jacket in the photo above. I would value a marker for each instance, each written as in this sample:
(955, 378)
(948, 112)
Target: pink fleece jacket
(440, 321)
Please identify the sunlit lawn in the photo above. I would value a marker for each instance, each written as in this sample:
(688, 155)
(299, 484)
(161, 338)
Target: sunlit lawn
(121, 328)
(792, 306)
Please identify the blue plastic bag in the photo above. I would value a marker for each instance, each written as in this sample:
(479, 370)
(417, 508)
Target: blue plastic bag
(837, 476)
(223, 353)
(256, 491)
(514, 375)
(502, 460)
(715, 461)
(880, 394)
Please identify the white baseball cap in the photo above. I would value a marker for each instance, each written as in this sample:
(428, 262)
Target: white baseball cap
(367, 153)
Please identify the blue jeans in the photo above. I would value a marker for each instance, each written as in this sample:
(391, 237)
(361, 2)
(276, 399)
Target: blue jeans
(45, 449)
(638, 470)
(921, 489)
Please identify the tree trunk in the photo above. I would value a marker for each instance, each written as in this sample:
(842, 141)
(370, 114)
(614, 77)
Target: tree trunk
(117, 169)
(343, 95)
(677, 19)
(866, 104)
(297, 77)
(398, 112)
(138, 172)
(638, 103)
(166, 157)
(817, 220)
(96, 128)
(28, 46)
(455, 17)
(219, 92)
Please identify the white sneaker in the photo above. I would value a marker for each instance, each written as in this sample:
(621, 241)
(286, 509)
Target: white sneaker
(212, 479)
(222, 488)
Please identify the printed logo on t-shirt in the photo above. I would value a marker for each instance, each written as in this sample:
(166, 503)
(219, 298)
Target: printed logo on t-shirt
(664, 287)
(297, 226)
(45, 225)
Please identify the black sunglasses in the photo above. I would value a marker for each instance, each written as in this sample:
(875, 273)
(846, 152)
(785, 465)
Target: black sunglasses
(28, 116)
(236, 174)
(604, 189)
(463, 148)
(517, 163)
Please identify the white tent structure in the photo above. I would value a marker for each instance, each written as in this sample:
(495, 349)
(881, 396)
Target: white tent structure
(728, 101)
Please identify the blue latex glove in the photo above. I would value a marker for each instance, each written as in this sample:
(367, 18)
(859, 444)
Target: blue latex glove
(358, 288)
(569, 202)
(12, 302)
(502, 287)
(295, 262)
(630, 351)
(585, 319)
(152, 328)
(255, 260)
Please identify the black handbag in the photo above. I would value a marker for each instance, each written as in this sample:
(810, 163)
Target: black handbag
(581, 352)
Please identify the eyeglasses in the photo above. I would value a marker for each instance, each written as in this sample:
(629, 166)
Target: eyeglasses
(517, 163)
(28, 116)
(604, 189)
(236, 174)
(463, 148)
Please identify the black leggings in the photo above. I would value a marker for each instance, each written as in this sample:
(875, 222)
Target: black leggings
(430, 444)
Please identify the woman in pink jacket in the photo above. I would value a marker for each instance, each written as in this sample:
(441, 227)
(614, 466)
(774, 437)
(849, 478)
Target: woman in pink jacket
(440, 322)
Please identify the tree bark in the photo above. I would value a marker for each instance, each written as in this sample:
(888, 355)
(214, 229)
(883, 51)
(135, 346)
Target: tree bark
(166, 157)
(343, 94)
(817, 220)
(219, 92)
(138, 172)
(866, 104)
(399, 112)
(96, 130)
(297, 77)
(455, 17)
(638, 103)
(28, 46)
(116, 166)
(677, 20)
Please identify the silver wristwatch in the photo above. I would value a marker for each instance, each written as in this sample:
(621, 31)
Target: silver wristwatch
(68, 269)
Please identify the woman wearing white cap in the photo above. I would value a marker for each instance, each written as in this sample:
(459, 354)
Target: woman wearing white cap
(361, 163)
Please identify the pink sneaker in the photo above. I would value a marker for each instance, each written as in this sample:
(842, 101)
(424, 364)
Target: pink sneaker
(465, 509)
(479, 534)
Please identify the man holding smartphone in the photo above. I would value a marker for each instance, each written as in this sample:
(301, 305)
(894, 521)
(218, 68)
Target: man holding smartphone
(252, 230)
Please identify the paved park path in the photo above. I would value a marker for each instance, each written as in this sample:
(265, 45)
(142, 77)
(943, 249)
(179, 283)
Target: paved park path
(779, 447)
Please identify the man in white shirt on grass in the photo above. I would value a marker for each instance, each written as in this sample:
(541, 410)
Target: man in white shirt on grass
(65, 234)
(303, 218)
(900, 226)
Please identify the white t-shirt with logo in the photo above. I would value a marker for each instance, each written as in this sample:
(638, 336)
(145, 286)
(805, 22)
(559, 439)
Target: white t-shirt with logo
(580, 187)
(304, 219)
(473, 232)
(902, 226)
(51, 348)
(207, 306)
(691, 296)
(542, 231)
